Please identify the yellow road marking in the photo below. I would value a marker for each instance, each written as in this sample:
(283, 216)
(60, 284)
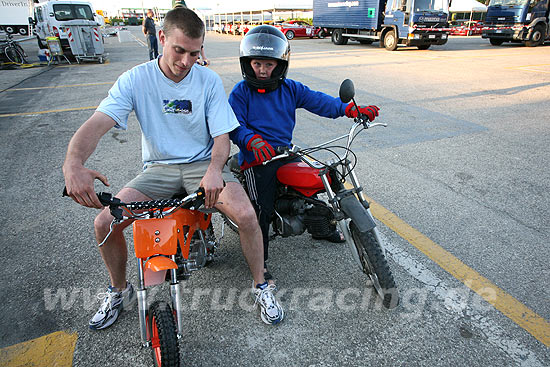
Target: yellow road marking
(49, 111)
(105, 62)
(56, 349)
(502, 301)
(526, 68)
(60, 86)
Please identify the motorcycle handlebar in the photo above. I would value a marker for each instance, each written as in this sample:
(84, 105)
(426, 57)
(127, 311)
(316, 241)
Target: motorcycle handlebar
(107, 199)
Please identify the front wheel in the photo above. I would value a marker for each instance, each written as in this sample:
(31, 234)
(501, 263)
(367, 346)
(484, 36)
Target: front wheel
(375, 265)
(496, 41)
(537, 37)
(390, 41)
(164, 338)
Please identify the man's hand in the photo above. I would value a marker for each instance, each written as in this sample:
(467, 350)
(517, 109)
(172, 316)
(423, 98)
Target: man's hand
(261, 148)
(79, 182)
(212, 182)
(370, 111)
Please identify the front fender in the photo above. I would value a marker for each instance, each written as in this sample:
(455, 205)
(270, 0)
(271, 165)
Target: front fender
(354, 210)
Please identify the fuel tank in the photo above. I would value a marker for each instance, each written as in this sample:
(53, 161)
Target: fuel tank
(301, 177)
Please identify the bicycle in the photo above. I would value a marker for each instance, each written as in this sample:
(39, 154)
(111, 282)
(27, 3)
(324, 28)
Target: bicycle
(168, 249)
(12, 52)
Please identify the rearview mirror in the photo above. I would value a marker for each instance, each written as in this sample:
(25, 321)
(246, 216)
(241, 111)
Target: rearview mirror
(347, 91)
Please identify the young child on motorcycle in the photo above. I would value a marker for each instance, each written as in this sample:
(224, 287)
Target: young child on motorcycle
(265, 104)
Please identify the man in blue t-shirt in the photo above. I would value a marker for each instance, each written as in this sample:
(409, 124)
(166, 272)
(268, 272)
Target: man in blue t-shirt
(185, 119)
(265, 104)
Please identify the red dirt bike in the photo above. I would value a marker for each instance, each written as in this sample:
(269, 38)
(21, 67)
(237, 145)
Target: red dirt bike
(298, 206)
(172, 238)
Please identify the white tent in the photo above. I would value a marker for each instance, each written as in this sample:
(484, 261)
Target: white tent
(466, 6)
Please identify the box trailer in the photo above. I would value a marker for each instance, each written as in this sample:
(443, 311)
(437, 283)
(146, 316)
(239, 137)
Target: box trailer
(14, 15)
(419, 23)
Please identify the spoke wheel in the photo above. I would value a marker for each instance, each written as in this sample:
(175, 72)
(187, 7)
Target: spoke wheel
(374, 264)
(14, 55)
(289, 35)
(161, 327)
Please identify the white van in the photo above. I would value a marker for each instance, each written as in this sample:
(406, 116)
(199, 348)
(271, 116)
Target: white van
(55, 18)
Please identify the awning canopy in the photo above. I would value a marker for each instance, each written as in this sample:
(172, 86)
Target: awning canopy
(463, 6)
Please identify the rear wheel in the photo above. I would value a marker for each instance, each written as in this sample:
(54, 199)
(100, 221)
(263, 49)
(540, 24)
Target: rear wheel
(162, 331)
(375, 265)
(423, 47)
(496, 41)
(338, 38)
(289, 35)
(390, 41)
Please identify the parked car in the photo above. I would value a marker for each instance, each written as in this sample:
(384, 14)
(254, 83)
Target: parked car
(468, 28)
(298, 28)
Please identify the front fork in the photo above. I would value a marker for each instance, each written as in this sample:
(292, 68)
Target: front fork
(175, 295)
(343, 221)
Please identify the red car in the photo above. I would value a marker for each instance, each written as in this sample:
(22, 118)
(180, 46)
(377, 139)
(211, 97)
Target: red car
(297, 28)
(467, 29)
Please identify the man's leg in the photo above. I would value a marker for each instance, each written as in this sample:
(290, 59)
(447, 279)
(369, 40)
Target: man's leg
(114, 251)
(155, 47)
(150, 46)
(235, 204)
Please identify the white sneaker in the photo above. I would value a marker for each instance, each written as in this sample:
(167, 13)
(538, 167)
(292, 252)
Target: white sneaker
(113, 304)
(271, 311)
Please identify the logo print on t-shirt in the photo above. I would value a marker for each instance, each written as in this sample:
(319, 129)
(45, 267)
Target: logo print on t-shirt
(177, 106)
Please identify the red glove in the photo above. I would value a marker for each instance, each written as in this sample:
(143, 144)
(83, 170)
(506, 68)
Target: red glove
(370, 111)
(261, 148)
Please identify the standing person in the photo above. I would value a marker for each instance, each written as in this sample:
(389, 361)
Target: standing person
(185, 119)
(265, 104)
(150, 32)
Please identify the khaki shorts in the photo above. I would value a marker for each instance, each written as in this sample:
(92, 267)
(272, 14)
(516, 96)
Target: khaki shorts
(162, 181)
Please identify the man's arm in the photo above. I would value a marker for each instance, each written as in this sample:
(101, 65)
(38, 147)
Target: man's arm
(212, 182)
(79, 180)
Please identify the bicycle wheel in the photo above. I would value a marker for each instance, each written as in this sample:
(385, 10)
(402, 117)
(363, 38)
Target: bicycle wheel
(22, 52)
(13, 55)
(162, 331)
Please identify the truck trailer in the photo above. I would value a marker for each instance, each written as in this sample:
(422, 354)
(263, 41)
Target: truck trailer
(521, 21)
(14, 15)
(419, 23)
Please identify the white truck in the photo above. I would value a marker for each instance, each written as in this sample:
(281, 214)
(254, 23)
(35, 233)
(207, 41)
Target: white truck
(14, 15)
(74, 23)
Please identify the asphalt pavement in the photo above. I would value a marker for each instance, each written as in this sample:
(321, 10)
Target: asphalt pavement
(459, 179)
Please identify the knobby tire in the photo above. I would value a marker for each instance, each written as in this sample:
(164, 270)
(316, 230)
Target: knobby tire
(375, 265)
(163, 333)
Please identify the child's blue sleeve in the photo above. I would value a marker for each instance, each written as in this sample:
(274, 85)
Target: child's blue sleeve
(318, 103)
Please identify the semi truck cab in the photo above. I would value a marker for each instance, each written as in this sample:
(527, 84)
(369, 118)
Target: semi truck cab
(522, 21)
(420, 23)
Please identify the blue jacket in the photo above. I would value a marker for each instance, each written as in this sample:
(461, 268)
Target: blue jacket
(273, 115)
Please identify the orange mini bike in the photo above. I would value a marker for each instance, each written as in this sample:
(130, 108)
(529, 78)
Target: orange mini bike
(172, 238)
